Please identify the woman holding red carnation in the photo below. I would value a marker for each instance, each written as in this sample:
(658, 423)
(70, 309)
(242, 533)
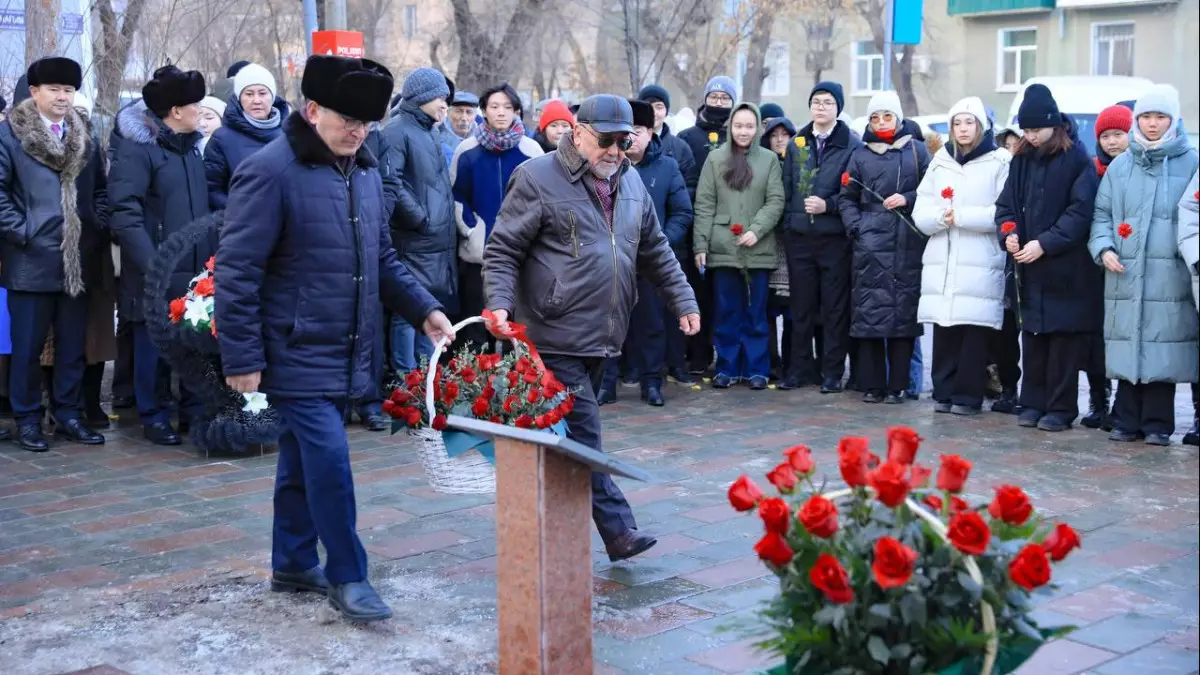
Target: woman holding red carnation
(1049, 195)
(1151, 330)
(738, 204)
(962, 279)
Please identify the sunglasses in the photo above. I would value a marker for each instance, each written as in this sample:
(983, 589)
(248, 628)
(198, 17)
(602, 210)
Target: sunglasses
(606, 141)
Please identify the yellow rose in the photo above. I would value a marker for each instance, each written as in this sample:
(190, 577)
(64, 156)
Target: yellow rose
(712, 137)
(801, 142)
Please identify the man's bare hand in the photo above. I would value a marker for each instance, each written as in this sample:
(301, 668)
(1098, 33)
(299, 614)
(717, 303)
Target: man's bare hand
(689, 324)
(244, 384)
(437, 327)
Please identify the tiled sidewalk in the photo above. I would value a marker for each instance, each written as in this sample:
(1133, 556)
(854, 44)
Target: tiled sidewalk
(150, 561)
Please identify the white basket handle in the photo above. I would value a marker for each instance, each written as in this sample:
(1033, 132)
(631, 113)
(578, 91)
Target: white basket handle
(437, 354)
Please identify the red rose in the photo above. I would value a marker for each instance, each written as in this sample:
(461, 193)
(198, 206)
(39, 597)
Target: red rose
(957, 504)
(819, 516)
(389, 407)
(933, 501)
(736, 229)
(893, 564)
(800, 457)
(533, 396)
(852, 460)
(890, 482)
(845, 178)
(555, 416)
(509, 402)
(450, 392)
(480, 407)
(1008, 227)
(969, 533)
(531, 377)
(204, 287)
(948, 193)
(488, 392)
(828, 576)
(495, 419)
(920, 475)
(414, 378)
(953, 473)
(541, 421)
(1124, 230)
(1030, 568)
(523, 364)
(513, 376)
(903, 444)
(211, 263)
(783, 477)
(1061, 541)
(468, 375)
(1011, 505)
(775, 515)
(524, 422)
(178, 307)
(439, 422)
(774, 549)
(744, 494)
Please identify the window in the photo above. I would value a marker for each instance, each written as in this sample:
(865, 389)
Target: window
(868, 67)
(1018, 57)
(1112, 49)
(410, 21)
(778, 62)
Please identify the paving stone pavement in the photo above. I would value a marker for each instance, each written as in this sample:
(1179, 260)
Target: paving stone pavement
(138, 559)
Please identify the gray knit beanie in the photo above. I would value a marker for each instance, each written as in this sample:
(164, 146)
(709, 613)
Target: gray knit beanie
(423, 85)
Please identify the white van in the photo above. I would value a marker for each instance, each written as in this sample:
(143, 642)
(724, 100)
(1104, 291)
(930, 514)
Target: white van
(1082, 97)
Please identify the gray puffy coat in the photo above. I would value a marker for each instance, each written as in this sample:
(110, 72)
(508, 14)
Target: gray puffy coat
(1150, 323)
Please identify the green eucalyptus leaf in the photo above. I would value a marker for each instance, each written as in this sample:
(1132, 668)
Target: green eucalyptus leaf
(901, 651)
(970, 586)
(881, 610)
(1026, 630)
(879, 649)
(913, 609)
(827, 615)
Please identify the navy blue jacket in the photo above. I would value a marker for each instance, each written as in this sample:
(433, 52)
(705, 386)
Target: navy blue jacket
(678, 149)
(1050, 198)
(664, 181)
(305, 255)
(230, 145)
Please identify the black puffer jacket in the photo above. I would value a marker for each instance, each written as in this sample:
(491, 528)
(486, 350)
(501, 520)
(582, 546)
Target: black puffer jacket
(676, 148)
(826, 181)
(424, 231)
(698, 139)
(1051, 198)
(886, 267)
(31, 212)
(156, 188)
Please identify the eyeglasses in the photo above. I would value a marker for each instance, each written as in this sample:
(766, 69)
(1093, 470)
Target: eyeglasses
(823, 105)
(606, 141)
(351, 124)
(719, 97)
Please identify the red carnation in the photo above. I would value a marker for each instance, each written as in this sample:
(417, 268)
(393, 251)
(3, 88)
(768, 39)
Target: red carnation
(204, 288)
(211, 263)
(845, 178)
(468, 375)
(533, 396)
(948, 193)
(1124, 230)
(509, 403)
(736, 229)
(414, 378)
(1008, 227)
(178, 307)
(450, 392)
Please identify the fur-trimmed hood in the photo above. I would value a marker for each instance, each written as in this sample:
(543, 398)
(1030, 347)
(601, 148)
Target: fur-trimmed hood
(137, 124)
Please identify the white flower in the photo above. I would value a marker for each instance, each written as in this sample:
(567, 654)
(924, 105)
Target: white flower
(255, 403)
(196, 311)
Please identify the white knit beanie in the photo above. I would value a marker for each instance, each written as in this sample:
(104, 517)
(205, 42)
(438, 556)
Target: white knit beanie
(251, 75)
(214, 104)
(971, 105)
(1161, 98)
(885, 101)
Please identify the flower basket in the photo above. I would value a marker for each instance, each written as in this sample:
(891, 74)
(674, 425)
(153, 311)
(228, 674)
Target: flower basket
(513, 389)
(890, 576)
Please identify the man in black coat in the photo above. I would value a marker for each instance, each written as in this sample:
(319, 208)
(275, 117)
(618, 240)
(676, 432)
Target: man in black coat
(157, 188)
(814, 238)
(53, 208)
(672, 146)
(305, 257)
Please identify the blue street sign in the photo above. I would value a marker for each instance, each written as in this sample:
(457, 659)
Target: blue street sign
(906, 22)
(72, 24)
(12, 19)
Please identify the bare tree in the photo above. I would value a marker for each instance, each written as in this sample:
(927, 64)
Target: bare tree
(762, 24)
(902, 69)
(110, 50)
(819, 20)
(41, 38)
(364, 16)
(694, 45)
(482, 58)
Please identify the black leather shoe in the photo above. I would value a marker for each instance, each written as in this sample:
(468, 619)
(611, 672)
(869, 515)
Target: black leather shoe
(161, 433)
(629, 544)
(964, 410)
(308, 581)
(1158, 439)
(1007, 403)
(942, 406)
(5, 434)
(758, 383)
(722, 381)
(831, 386)
(789, 383)
(357, 601)
(1053, 423)
(120, 402)
(1192, 437)
(76, 431)
(30, 437)
(376, 421)
(1029, 418)
(606, 396)
(895, 397)
(873, 397)
(1121, 436)
(681, 376)
(653, 396)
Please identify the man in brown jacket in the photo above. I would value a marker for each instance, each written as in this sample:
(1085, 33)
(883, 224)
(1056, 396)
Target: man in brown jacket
(576, 230)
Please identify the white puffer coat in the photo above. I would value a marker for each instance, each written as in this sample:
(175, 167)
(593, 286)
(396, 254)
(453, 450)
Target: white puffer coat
(962, 281)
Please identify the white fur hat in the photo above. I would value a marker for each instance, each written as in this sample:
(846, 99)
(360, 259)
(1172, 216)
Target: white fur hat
(251, 75)
(214, 104)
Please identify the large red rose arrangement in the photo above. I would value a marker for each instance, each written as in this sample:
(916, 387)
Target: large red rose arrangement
(870, 583)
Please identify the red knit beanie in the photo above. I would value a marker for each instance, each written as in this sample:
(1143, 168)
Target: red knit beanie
(555, 111)
(1114, 117)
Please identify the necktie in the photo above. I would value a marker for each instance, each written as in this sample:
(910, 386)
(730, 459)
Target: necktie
(57, 129)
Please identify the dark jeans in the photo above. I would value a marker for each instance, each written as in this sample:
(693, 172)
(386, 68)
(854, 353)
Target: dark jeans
(472, 302)
(314, 493)
(646, 342)
(1005, 350)
(1052, 365)
(1148, 407)
(740, 330)
(149, 374)
(819, 281)
(610, 510)
(780, 348)
(1096, 376)
(959, 369)
(884, 364)
(32, 315)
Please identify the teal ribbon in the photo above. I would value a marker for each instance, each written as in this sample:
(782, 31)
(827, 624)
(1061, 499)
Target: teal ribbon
(458, 442)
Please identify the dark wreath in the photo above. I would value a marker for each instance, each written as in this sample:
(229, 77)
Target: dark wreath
(196, 357)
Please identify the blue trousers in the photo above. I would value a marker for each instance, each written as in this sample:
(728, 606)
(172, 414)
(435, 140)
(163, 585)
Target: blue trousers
(740, 331)
(409, 344)
(150, 374)
(32, 315)
(314, 493)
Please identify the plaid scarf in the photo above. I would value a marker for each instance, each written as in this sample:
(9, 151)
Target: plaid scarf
(500, 141)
